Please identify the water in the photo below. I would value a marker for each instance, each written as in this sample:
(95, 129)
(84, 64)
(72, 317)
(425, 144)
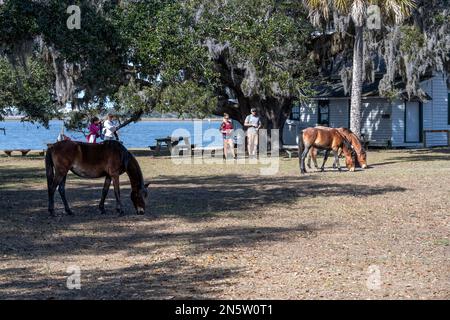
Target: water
(24, 135)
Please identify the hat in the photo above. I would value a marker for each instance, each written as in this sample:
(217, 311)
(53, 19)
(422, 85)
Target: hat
(253, 109)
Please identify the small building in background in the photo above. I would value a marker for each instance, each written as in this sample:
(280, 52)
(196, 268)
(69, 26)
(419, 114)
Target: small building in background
(385, 123)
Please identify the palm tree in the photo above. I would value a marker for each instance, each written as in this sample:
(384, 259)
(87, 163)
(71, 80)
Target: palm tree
(392, 11)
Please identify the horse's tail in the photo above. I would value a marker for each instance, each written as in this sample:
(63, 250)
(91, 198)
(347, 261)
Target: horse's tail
(49, 167)
(301, 148)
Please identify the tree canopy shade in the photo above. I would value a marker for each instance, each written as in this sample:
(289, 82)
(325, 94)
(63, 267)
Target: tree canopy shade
(197, 57)
(187, 56)
(259, 48)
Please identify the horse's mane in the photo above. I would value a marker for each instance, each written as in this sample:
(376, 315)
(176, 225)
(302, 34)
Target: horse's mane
(134, 172)
(347, 144)
(354, 139)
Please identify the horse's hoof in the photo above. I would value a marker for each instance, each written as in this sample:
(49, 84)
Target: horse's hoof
(121, 213)
(51, 213)
(69, 212)
(102, 211)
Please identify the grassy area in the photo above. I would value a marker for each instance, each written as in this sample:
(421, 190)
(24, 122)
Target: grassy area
(225, 231)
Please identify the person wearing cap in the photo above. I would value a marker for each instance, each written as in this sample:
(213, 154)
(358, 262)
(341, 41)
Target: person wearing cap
(253, 124)
(110, 128)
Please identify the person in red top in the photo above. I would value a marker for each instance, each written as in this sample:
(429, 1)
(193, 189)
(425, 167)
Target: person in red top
(94, 130)
(226, 128)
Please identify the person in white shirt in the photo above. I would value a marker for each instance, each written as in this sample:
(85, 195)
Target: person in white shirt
(110, 128)
(253, 123)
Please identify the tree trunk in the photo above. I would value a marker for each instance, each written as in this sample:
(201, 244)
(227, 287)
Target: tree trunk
(355, 107)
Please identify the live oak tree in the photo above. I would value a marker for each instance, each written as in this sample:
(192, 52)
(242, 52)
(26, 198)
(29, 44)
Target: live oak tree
(165, 55)
(260, 51)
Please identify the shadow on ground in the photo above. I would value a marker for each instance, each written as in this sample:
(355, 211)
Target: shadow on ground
(417, 155)
(27, 233)
(171, 279)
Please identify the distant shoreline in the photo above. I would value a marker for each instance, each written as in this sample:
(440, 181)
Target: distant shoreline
(16, 118)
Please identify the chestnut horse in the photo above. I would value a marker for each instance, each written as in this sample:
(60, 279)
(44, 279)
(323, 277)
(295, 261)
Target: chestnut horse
(327, 139)
(361, 154)
(109, 159)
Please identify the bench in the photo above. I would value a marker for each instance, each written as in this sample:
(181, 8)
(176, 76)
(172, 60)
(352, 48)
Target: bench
(23, 151)
(377, 143)
(290, 149)
(201, 150)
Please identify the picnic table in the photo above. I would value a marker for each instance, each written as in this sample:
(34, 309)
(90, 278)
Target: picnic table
(168, 142)
(23, 151)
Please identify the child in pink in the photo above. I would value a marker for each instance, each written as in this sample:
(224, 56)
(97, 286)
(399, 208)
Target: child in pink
(94, 130)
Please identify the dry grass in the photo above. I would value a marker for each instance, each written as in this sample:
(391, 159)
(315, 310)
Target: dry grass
(224, 231)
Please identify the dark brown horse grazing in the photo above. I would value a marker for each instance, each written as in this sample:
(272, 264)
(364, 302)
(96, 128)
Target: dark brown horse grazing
(327, 139)
(109, 159)
(361, 154)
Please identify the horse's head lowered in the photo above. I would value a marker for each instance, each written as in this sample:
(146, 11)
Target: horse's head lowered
(139, 198)
(361, 157)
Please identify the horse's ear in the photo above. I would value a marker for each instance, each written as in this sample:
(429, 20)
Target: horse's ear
(146, 185)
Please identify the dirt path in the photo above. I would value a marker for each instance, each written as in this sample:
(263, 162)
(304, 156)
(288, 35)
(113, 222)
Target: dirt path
(223, 231)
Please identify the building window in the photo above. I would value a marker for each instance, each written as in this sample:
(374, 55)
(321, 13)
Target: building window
(295, 112)
(324, 113)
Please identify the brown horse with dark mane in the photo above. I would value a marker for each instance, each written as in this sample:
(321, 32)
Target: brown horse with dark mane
(109, 159)
(361, 154)
(326, 139)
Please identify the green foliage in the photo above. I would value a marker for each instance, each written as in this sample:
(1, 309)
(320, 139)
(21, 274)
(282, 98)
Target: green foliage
(412, 38)
(144, 55)
(28, 92)
(267, 36)
(187, 99)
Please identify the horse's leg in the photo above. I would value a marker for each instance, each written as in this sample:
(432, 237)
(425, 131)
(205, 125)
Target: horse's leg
(336, 159)
(339, 155)
(119, 209)
(308, 159)
(105, 190)
(62, 193)
(316, 151)
(312, 155)
(304, 154)
(51, 192)
(325, 158)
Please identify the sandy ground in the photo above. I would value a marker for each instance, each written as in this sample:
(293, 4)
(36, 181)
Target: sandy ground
(225, 231)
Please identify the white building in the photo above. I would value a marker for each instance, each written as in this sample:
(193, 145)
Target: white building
(399, 123)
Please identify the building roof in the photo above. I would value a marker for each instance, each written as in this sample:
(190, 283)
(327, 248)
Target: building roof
(336, 90)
